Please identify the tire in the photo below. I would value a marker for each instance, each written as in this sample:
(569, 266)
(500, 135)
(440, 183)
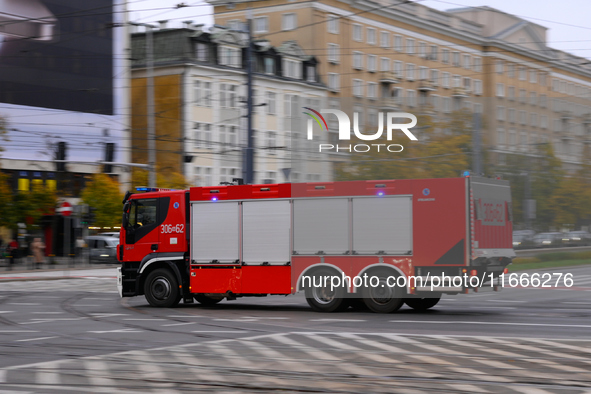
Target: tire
(161, 288)
(383, 298)
(422, 304)
(322, 298)
(206, 300)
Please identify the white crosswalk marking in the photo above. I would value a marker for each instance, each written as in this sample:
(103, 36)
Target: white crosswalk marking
(98, 373)
(48, 374)
(468, 388)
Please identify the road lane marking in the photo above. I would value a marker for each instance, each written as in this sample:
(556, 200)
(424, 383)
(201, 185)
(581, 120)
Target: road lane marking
(97, 372)
(122, 330)
(338, 320)
(514, 301)
(151, 319)
(47, 313)
(33, 339)
(237, 331)
(48, 374)
(178, 324)
(23, 303)
(490, 323)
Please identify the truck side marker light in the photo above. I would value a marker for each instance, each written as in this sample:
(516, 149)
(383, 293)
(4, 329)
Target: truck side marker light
(464, 271)
(214, 199)
(473, 273)
(381, 193)
(506, 271)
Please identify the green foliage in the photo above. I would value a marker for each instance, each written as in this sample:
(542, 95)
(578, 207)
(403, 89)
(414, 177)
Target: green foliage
(6, 207)
(29, 207)
(102, 194)
(165, 179)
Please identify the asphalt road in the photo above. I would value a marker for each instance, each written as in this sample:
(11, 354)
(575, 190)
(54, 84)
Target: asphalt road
(77, 335)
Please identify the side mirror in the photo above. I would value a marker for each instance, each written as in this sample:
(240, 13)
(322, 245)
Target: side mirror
(126, 206)
(125, 220)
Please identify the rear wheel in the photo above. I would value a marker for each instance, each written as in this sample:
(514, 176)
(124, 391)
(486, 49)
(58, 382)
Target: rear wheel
(323, 298)
(162, 289)
(206, 300)
(422, 304)
(382, 298)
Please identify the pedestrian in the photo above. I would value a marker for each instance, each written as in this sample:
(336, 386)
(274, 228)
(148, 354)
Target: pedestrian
(12, 251)
(38, 248)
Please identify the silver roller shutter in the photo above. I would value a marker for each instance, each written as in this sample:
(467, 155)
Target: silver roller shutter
(321, 225)
(215, 232)
(382, 225)
(266, 230)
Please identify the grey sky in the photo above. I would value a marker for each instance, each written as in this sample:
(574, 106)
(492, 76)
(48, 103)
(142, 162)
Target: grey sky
(568, 21)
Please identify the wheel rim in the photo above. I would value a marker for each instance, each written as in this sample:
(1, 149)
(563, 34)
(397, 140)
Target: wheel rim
(160, 288)
(382, 294)
(323, 295)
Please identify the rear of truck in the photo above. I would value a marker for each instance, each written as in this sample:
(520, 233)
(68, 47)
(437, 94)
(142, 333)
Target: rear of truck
(463, 235)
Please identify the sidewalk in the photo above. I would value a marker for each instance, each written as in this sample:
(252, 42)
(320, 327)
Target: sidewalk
(63, 269)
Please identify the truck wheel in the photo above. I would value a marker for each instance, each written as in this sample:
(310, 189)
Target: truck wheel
(383, 298)
(162, 289)
(206, 300)
(323, 298)
(422, 304)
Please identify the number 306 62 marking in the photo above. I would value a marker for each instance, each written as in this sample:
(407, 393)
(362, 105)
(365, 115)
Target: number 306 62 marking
(169, 228)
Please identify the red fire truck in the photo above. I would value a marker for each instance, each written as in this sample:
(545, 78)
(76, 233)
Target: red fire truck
(211, 243)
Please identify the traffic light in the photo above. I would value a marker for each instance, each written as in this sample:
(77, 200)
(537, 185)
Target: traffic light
(109, 154)
(61, 154)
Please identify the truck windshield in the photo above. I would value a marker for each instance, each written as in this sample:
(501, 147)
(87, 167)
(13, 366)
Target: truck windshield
(142, 212)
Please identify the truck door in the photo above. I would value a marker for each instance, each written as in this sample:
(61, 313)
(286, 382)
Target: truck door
(143, 228)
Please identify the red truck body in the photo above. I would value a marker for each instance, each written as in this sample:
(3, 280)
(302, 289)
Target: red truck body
(252, 240)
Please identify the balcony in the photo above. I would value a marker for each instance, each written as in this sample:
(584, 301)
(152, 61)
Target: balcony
(459, 93)
(388, 77)
(389, 104)
(426, 86)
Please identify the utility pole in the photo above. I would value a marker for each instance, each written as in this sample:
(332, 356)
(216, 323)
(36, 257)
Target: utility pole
(248, 167)
(150, 100)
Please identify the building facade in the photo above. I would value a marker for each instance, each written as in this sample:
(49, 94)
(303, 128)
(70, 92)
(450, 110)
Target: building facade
(200, 106)
(385, 56)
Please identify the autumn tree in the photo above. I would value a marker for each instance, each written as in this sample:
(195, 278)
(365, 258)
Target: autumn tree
(102, 194)
(165, 178)
(6, 207)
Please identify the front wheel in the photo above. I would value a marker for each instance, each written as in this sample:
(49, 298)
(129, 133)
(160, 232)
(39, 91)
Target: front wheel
(162, 289)
(422, 304)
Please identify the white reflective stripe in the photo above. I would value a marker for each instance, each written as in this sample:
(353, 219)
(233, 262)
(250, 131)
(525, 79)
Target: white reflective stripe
(155, 259)
(494, 252)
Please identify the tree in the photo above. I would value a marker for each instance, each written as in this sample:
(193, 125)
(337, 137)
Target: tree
(3, 130)
(29, 207)
(570, 202)
(5, 202)
(165, 179)
(442, 150)
(102, 194)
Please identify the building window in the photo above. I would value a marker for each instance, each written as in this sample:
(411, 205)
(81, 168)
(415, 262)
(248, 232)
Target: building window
(410, 46)
(357, 33)
(446, 101)
(500, 136)
(333, 53)
(227, 174)
(372, 63)
(522, 96)
(477, 86)
(445, 56)
(522, 73)
(457, 81)
(543, 101)
(202, 93)
(357, 87)
(271, 103)
(500, 90)
(260, 24)
(202, 136)
(423, 73)
(289, 22)
(477, 64)
(533, 98)
(467, 62)
(234, 24)
(456, 59)
(468, 84)
(500, 67)
(398, 43)
(533, 76)
(310, 74)
(445, 79)
(522, 117)
(411, 97)
(228, 95)
(229, 56)
(372, 90)
(434, 53)
(533, 119)
(422, 49)
(269, 65)
(511, 115)
(543, 79)
(398, 67)
(292, 68)
(410, 71)
(544, 122)
(384, 39)
(511, 70)
(290, 103)
(384, 64)
(271, 142)
(511, 93)
(333, 24)
(371, 36)
(334, 81)
(500, 113)
(435, 77)
(202, 52)
(357, 60)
